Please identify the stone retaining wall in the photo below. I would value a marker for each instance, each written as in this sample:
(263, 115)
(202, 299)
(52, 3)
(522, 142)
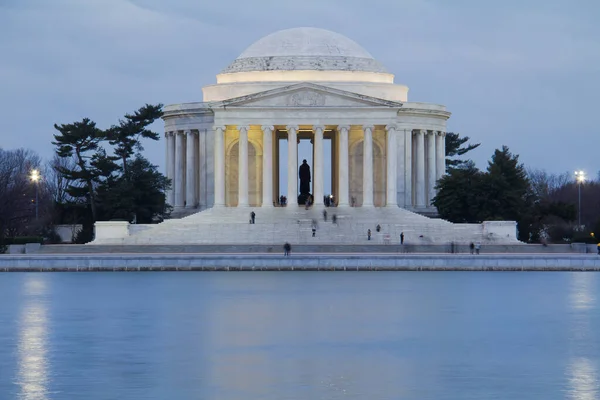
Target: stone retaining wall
(329, 262)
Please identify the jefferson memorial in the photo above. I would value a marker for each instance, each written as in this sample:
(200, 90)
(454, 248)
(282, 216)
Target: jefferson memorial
(384, 153)
(304, 83)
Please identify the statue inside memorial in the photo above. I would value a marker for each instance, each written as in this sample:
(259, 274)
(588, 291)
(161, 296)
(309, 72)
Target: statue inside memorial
(304, 175)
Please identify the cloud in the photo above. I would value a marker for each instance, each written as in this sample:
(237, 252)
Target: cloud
(515, 73)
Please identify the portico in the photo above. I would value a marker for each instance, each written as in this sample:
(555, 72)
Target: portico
(368, 137)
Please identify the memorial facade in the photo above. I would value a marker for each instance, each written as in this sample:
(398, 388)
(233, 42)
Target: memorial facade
(225, 155)
(304, 84)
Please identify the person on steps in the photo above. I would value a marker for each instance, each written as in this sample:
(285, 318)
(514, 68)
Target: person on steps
(472, 247)
(286, 249)
(252, 216)
(368, 234)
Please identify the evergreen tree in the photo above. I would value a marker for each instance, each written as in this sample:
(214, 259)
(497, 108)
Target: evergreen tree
(82, 140)
(459, 194)
(507, 187)
(126, 137)
(455, 147)
(140, 197)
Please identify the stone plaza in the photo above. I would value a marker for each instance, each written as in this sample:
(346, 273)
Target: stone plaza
(223, 154)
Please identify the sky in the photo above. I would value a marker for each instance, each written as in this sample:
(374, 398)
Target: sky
(521, 73)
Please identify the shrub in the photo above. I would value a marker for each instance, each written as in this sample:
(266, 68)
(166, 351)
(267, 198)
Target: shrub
(23, 240)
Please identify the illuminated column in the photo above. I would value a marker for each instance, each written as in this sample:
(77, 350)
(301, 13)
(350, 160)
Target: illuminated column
(408, 170)
(368, 166)
(440, 149)
(219, 166)
(343, 175)
(267, 197)
(292, 192)
(318, 166)
(420, 165)
(431, 169)
(391, 158)
(243, 167)
(190, 173)
(170, 137)
(179, 170)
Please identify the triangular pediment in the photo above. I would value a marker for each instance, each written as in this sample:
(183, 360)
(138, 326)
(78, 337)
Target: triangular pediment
(306, 95)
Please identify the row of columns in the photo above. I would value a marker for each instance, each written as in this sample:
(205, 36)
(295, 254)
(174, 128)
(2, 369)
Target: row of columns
(429, 163)
(182, 158)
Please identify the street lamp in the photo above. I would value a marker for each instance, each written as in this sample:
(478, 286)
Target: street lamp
(580, 178)
(35, 177)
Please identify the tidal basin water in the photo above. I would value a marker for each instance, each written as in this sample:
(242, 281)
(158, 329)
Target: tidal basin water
(300, 335)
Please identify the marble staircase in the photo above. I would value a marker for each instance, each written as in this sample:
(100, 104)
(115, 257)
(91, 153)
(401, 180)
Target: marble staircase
(294, 225)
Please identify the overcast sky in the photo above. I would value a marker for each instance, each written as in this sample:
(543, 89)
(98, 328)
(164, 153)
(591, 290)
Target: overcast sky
(524, 73)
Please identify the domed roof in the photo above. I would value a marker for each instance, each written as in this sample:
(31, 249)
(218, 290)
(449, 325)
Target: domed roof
(305, 49)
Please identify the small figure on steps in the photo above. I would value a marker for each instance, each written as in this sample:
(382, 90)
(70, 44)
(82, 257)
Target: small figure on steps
(252, 217)
(401, 237)
(368, 234)
(286, 249)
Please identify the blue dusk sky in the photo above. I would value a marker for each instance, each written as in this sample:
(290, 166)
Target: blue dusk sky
(525, 74)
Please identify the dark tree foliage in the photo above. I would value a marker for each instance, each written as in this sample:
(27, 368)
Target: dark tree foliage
(139, 197)
(81, 140)
(126, 137)
(456, 147)
(503, 192)
(459, 194)
(506, 186)
(98, 188)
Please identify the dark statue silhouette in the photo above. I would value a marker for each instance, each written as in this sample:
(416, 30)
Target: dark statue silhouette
(304, 175)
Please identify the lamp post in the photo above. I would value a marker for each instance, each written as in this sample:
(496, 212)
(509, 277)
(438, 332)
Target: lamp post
(580, 178)
(35, 177)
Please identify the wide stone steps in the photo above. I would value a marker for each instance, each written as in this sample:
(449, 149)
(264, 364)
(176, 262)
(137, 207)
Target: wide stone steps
(294, 225)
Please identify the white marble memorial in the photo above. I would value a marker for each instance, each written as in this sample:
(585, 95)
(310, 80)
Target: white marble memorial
(303, 83)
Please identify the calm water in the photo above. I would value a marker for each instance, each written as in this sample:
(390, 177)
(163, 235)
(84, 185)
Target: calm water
(300, 335)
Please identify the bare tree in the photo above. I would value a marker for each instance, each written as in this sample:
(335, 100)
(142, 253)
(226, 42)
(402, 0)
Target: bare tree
(57, 182)
(545, 184)
(17, 192)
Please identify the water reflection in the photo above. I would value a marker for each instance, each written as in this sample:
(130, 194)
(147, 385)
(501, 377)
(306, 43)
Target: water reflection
(582, 371)
(32, 348)
(583, 379)
(582, 296)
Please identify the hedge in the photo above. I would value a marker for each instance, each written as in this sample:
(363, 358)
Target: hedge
(23, 240)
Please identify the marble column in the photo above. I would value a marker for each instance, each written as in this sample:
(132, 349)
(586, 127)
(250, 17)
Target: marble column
(179, 170)
(219, 166)
(431, 168)
(440, 159)
(391, 158)
(190, 169)
(171, 166)
(292, 191)
(243, 167)
(267, 171)
(343, 173)
(368, 166)
(408, 170)
(420, 165)
(318, 176)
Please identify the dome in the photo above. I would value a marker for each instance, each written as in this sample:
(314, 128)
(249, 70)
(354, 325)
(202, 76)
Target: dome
(305, 49)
